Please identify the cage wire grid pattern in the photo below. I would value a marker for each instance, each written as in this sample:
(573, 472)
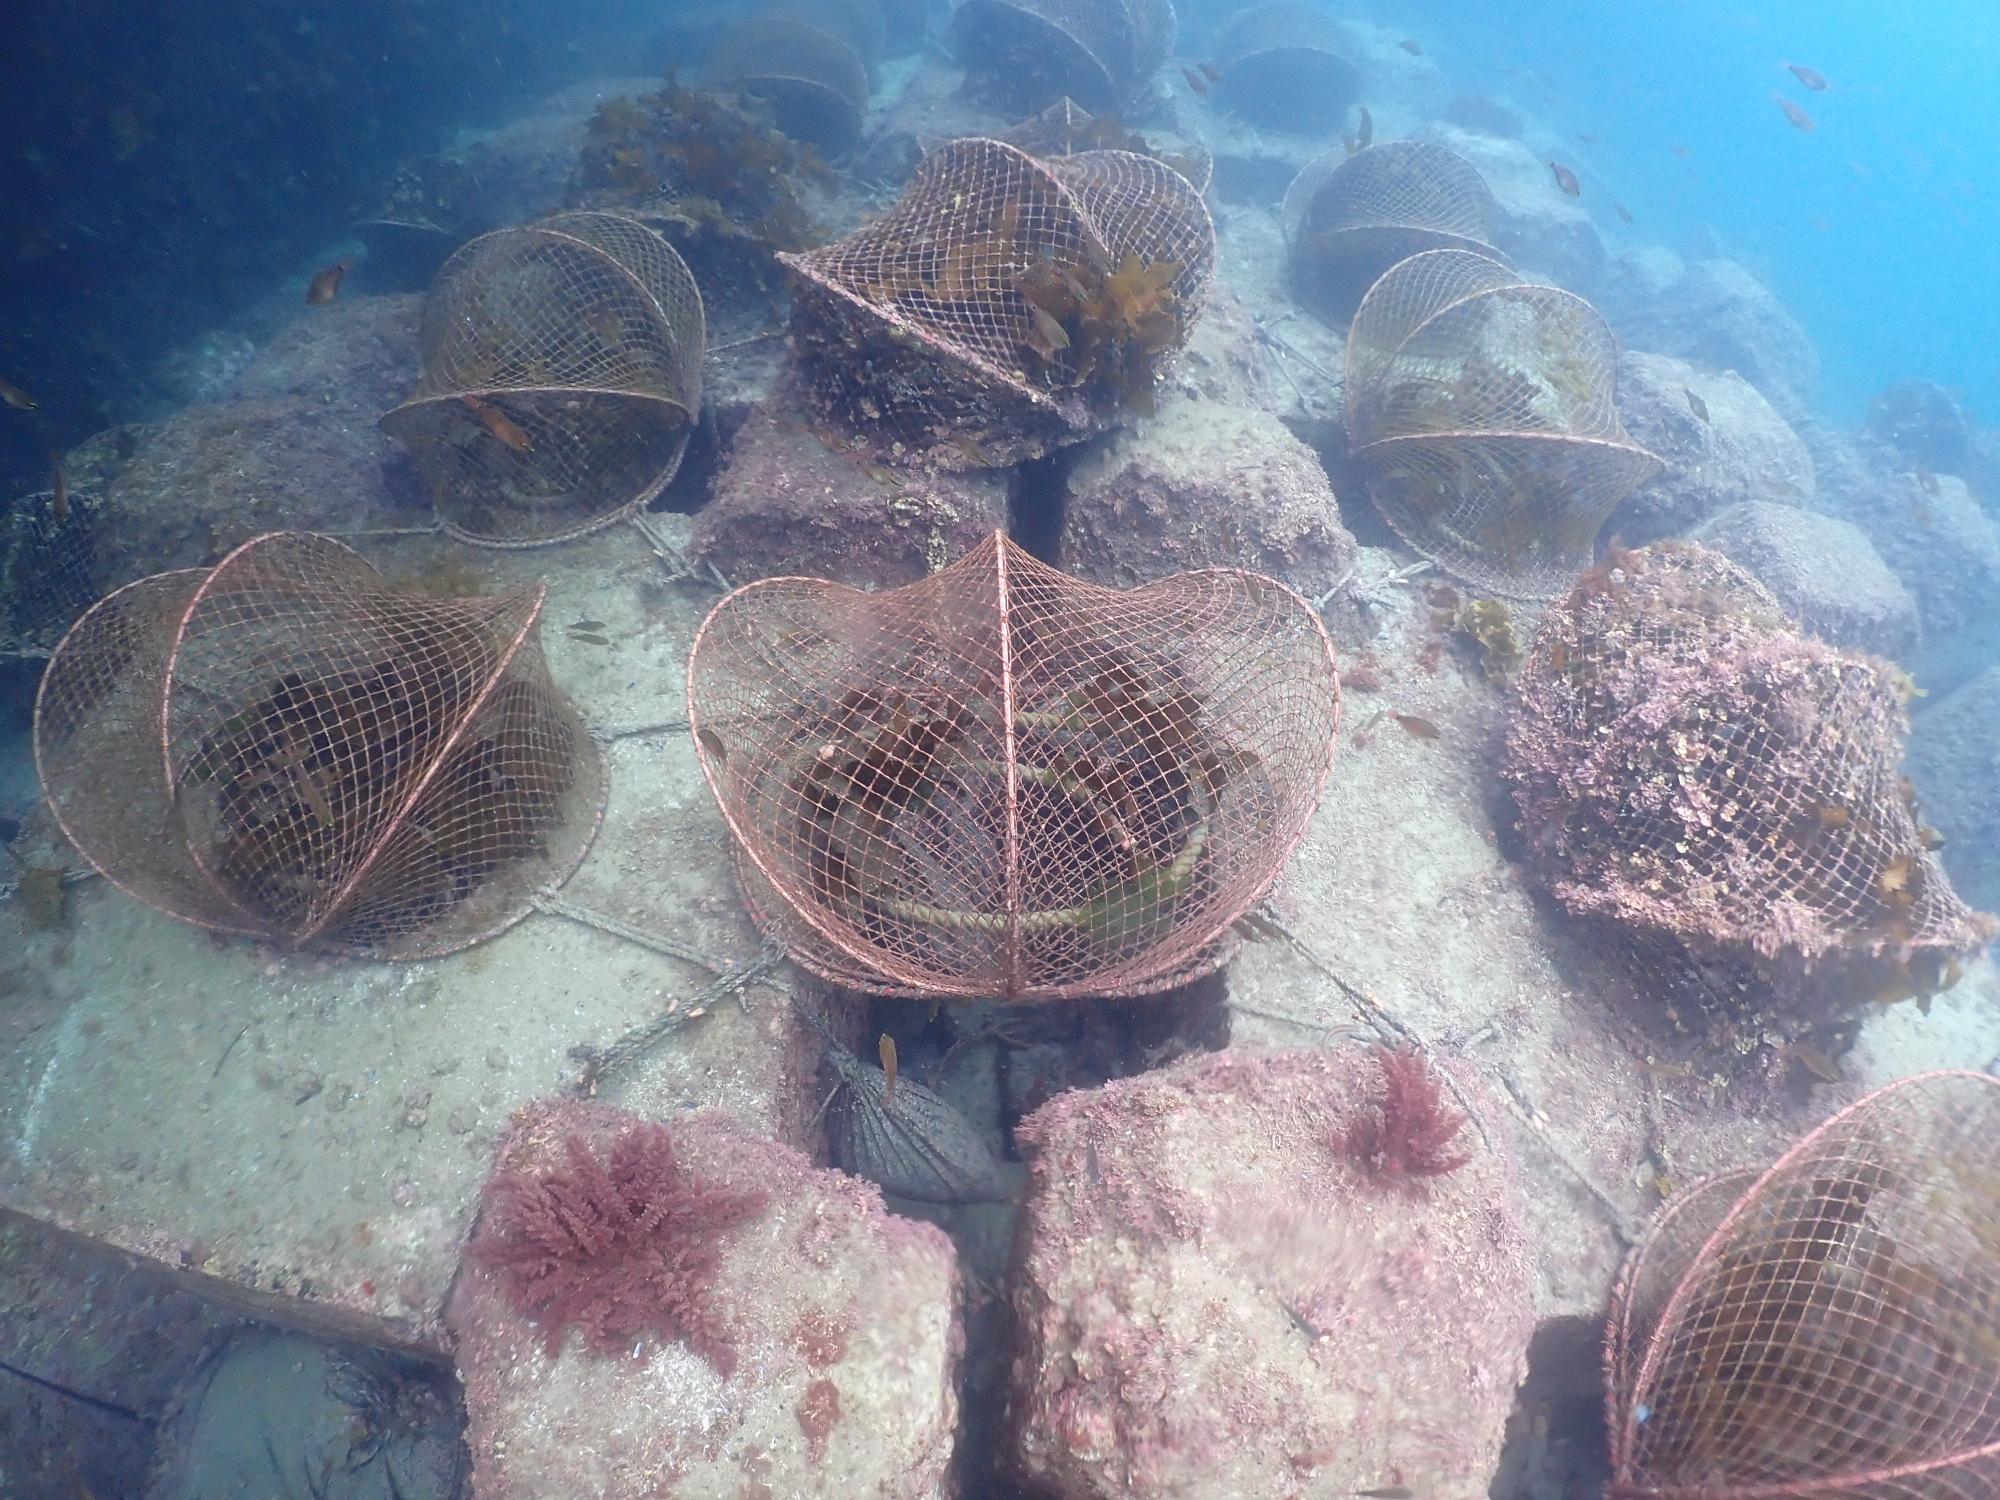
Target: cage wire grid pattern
(562, 375)
(1066, 128)
(946, 265)
(285, 748)
(1482, 411)
(1688, 762)
(1830, 1327)
(814, 77)
(860, 24)
(1288, 64)
(49, 569)
(1002, 782)
(1120, 42)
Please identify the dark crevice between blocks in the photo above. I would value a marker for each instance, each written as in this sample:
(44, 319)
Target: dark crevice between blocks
(1557, 1445)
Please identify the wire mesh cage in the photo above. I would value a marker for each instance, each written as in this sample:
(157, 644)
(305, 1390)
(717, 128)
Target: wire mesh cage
(1689, 764)
(1025, 54)
(1066, 128)
(50, 571)
(1350, 217)
(1480, 410)
(1287, 65)
(861, 24)
(285, 748)
(562, 376)
(813, 78)
(1000, 781)
(1006, 304)
(1830, 1327)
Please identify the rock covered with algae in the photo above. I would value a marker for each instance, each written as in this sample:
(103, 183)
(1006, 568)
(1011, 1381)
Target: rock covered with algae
(1217, 1294)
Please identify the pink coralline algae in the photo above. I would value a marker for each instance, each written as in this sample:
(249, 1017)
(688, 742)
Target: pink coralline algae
(619, 1246)
(1408, 1133)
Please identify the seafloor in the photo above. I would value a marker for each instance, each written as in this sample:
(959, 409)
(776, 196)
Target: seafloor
(302, 1139)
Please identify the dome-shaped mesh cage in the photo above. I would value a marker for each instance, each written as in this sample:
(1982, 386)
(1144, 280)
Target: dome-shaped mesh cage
(1020, 301)
(861, 24)
(1286, 65)
(1349, 218)
(1000, 781)
(1479, 408)
(1025, 54)
(1066, 128)
(562, 376)
(49, 569)
(1828, 1328)
(283, 747)
(814, 81)
(905, 23)
(1690, 765)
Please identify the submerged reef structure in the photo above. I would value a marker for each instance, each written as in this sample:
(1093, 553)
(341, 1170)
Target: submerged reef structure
(1691, 766)
(562, 377)
(1286, 65)
(347, 767)
(1023, 55)
(1350, 216)
(1480, 410)
(1006, 304)
(1001, 781)
(1828, 1327)
(806, 67)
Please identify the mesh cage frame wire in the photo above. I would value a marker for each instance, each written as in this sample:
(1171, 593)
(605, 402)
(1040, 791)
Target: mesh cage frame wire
(861, 24)
(1425, 295)
(197, 893)
(1029, 601)
(1279, 35)
(681, 326)
(1124, 41)
(1635, 1354)
(49, 568)
(787, 49)
(1444, 195)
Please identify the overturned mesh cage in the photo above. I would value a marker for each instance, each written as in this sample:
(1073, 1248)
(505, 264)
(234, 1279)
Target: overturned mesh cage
(1480, 412)
(1028, 53)
(562, 375)
(1287, 65)
(1830, 1327)
(861, 24)
(1021, 301)
(49, 569)
(1066, 128)
(1350, 217)
(283, 747)
(1691, 766)
(1000, 781)
(811, 76)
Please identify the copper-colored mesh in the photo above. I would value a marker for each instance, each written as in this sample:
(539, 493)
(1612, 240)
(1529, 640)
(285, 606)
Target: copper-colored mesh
(1099, 51)
(49, 571)
(1689, 764)
(1000, 781)
(1066, 128)
(1348, 218)
(1480, 409)
(562, 372)
(920, 317)
(1288, 65)
(1835, 1329)
(815, 81)
(284, 747)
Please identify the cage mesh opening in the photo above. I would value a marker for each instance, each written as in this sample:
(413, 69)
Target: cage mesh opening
(1030, 52)
(805, 66)
(1288, 66)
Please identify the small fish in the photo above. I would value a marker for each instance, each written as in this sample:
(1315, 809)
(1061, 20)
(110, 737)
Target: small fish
(1835, 817)
(887, 1048)
(1050, 336)
(711, 745)
(1388, 1492)
(1622, 211)
(1929, 837)
(500, 424)
(1195, 81)
(59, 496)
(589, 638)
(1566, 179)
(1411, 46)
(1695, 404)
(17, 398)
(1812, 78)
(1210, 71)
(1586, 137)
(1364, 134)
(883, 476)
(1680, 150)
(970, 447)
(325, 285)
(1422, 729)
(1817, 1063)
(1799, 118)
(1927, 480)
(593, 625)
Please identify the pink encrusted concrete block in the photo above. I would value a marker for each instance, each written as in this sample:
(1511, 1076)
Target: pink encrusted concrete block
(1215, 1297)
(841, 1324)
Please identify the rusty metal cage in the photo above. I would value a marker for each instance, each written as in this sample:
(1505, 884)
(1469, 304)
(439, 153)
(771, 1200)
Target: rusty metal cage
(285, 748)
(49, 569)
(562, 376)
(1025, 54)
(1000, 781)
(1287, 65)
(814, 79)
(1480, 410)
(1830, 1327)
(1019, 301)
(1349, 217)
